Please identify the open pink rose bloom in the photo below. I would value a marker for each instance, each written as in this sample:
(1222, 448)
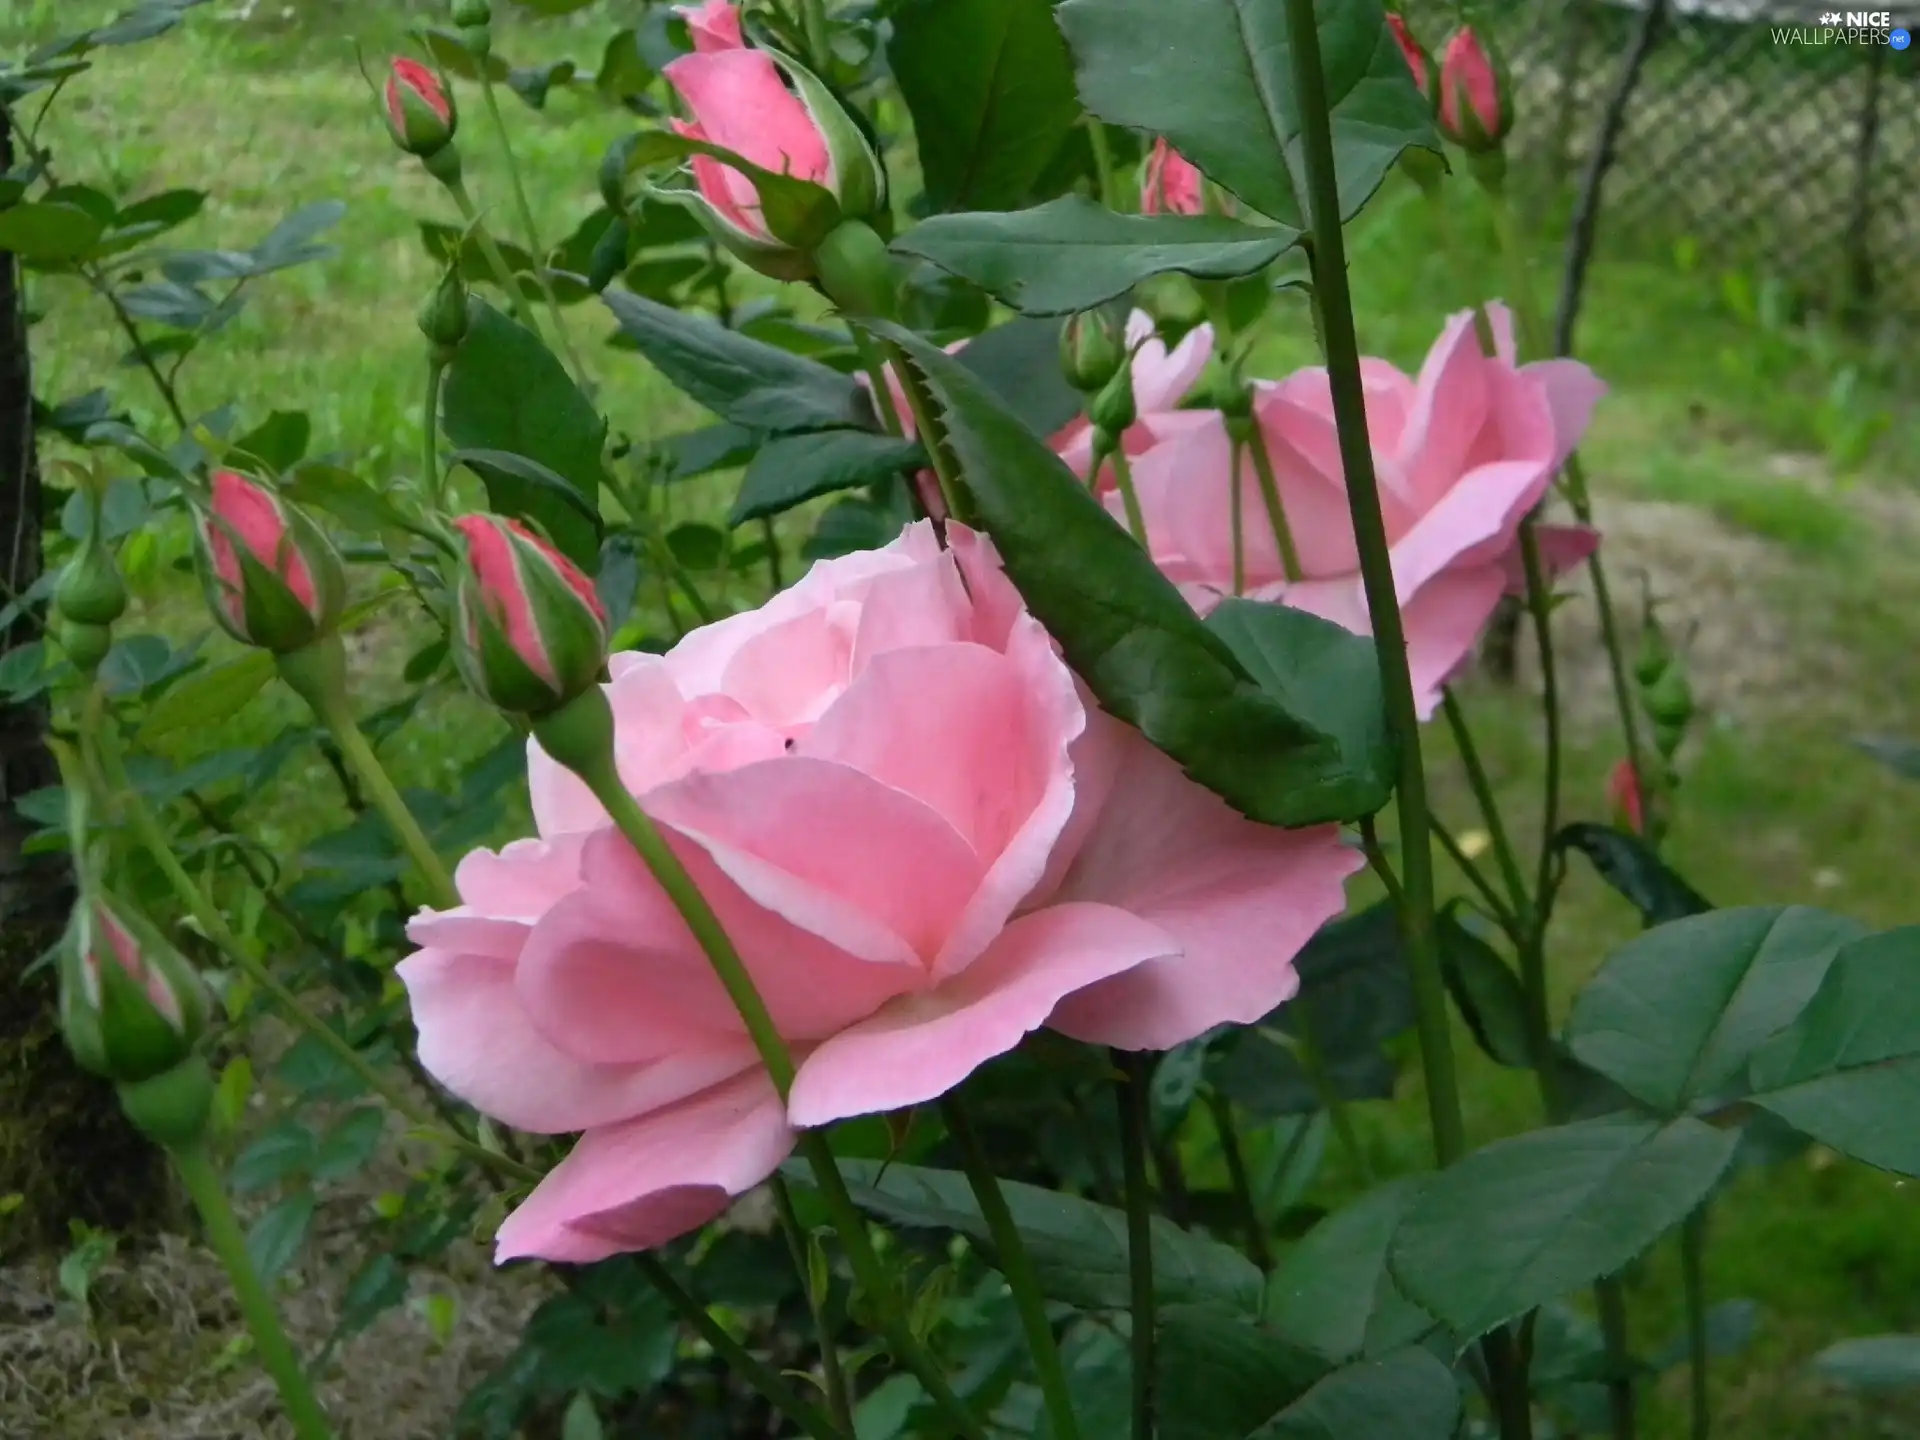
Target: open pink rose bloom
(1462, 453)
(924, 839)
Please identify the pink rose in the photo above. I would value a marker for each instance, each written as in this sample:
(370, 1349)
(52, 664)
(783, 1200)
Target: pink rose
(1172, 186)
(1462, 454)
(924, 841)
(1474, 113)
(740, 103)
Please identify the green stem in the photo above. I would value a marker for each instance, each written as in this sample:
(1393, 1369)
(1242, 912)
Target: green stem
(490, 252)
(832, 1372)
(1540, 604)
(317, 674)
(531, 230)
(1222, 1111)
(1017, 1266)
(1129, 497)
(873, 1278)
(1507, 1377)
(580, 736)
(430, 477)
(774, 1390)
(209, 1194)
(1612, 1305)
(1270, 496)
(1693, 1251)
(1135, 1117)
(1103, 163)
(1328, 253)
(1331, 1101)
(1488, 895)
(1477, 780)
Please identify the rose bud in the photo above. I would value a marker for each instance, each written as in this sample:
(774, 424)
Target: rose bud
(271, 576)
(130, 1005)
(529, 630)
(444, 318)
(90, 590)
(1172, 185)
(1623, 791)
(740, 102)
(1474, 108)
(1093, 346)
(420, 112)
(1418, 60)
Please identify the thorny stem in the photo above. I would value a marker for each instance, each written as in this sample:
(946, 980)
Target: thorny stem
(1256, 443)
(1135, 1071)
(832, 1372)
(1129, 496)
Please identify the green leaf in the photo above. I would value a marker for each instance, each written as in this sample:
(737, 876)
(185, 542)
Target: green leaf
(1845, 1072)
(1020, 363)
(47, 232)
(553, 7)
(275, 1238)
(1524, 1220)
(1123, 626)
(500, 468)
(700, 452)
(1333, 1293)
(623, 71)
(379, 1285)
(533, 82)
(506, 392)
(756, 386)
(1485, 989)
(164, 210)
(1217, 80)
(851, 525)
(1072, 254)
(797, 212)
(349, 1144)
(1356, 995)
(697, 546)
(454, 55)
(1078, 1248)
(1409, 1395)
(1330, 677)
(1729, 1326)
(278, 442)
(791, 469)
(344, 496)
(989, 84)
(1673, 1016)
(219, 690)
(1629, 865)
(1872, 1362)
(291, 242)
(1222, 1376)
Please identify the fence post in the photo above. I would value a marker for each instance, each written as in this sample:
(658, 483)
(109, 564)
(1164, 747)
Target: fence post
(1857, 307)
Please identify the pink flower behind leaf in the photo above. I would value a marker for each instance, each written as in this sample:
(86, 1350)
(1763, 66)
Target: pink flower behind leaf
(1172, 185)
(925, 842)
(1623, 790)
(713, 26)
(1461, 453)
(1418, 60)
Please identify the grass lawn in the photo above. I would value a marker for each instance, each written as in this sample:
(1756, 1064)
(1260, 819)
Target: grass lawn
(1770, 505)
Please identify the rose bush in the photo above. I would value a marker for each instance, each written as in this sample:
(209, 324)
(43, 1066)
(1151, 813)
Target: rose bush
(925, 842)
(1463, 452)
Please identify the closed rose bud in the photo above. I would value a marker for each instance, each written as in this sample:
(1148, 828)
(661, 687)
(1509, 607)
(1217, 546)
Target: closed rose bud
(472, 12)
(1114, 409)
(1418, 60)
(776, 114)
(1093, 346)
(90, 590)
(1475, 112)
(271, 576)
(443, 318)
(420, 113)
(1629, 806)
(130, 1005)
(1171, 186)
(529, 630)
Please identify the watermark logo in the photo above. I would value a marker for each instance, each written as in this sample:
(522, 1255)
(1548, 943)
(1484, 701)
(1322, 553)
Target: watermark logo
(1846, 27)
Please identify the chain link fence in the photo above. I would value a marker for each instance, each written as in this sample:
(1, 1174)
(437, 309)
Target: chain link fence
(1757, 139)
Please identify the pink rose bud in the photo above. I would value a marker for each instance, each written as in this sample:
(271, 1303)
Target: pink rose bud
(530, 632)
(1629, 806)
(773, 113)
(1474, 113)
(419, 110)
(1418, 60)
(271, 576)
(131, 1006)
(1172, 185)
(714, 26)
